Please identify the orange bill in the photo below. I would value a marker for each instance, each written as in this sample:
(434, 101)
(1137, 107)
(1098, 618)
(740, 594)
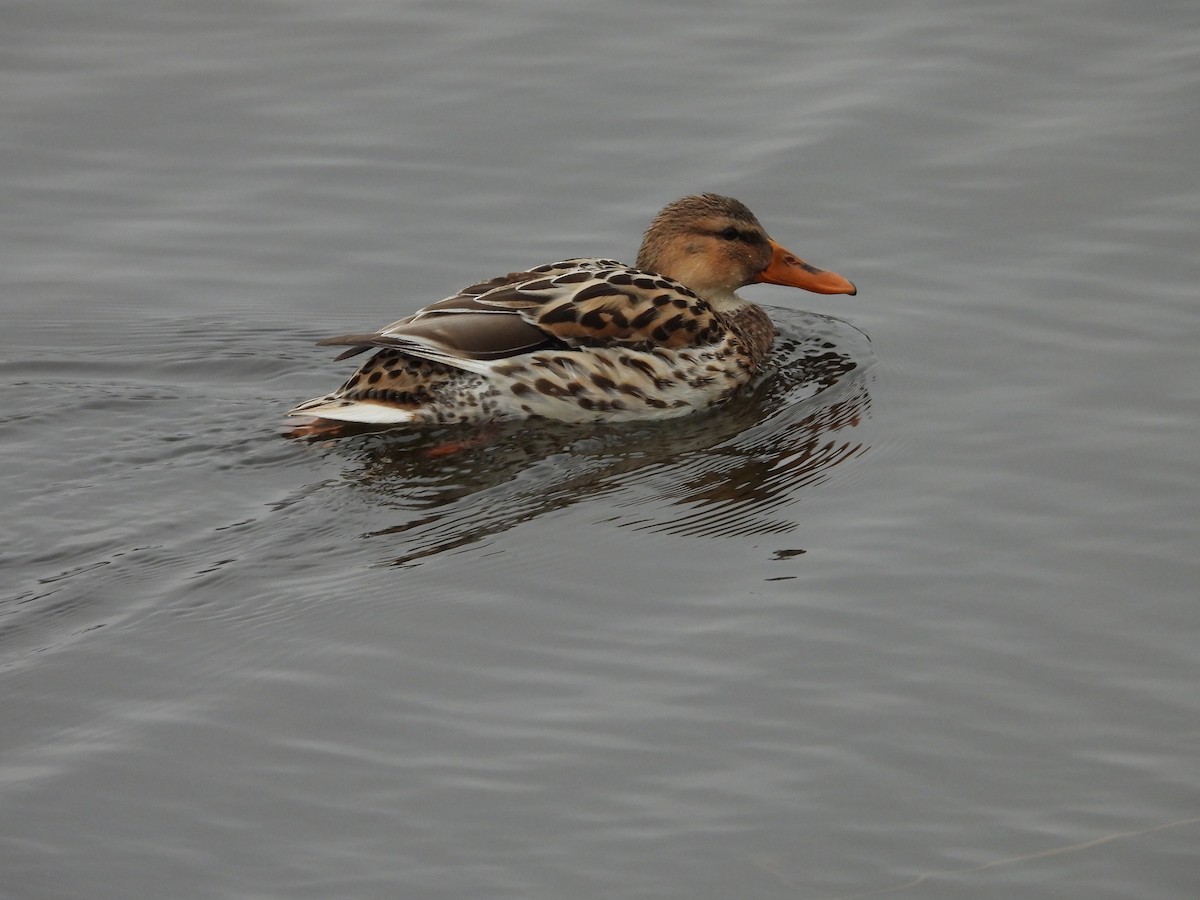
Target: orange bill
(788, 269)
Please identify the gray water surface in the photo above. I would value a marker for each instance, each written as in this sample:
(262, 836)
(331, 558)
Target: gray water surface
(917, 617)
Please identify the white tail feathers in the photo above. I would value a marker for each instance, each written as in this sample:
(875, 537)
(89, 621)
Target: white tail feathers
(354, 411)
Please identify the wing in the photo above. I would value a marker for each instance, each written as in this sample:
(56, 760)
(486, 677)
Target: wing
(573, 303)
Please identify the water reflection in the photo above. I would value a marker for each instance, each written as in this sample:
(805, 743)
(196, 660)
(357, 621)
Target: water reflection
(732, 471)
(735, 486)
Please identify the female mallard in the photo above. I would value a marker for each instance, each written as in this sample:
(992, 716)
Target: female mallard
(586, 339)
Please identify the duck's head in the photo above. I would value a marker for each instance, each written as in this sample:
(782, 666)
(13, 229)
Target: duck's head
(715, 245)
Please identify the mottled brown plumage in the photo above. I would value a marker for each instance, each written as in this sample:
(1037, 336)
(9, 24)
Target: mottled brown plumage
(586, 339)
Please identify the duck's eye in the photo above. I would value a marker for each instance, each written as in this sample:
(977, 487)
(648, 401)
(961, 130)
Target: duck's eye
(730, 234)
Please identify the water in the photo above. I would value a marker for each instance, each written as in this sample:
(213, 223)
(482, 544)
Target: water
(916, 618)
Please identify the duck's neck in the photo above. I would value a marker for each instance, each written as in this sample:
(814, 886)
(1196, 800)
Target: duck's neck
(753, 327)
(725, 302)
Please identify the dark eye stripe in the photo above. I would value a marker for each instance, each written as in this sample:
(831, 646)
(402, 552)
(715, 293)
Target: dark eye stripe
(730, 233)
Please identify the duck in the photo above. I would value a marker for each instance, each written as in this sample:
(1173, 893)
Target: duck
(585, 340)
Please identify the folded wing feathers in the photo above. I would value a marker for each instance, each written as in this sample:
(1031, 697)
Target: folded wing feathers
(567, 304)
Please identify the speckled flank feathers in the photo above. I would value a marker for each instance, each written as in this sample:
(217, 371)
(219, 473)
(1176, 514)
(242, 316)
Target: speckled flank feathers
(585, 339)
